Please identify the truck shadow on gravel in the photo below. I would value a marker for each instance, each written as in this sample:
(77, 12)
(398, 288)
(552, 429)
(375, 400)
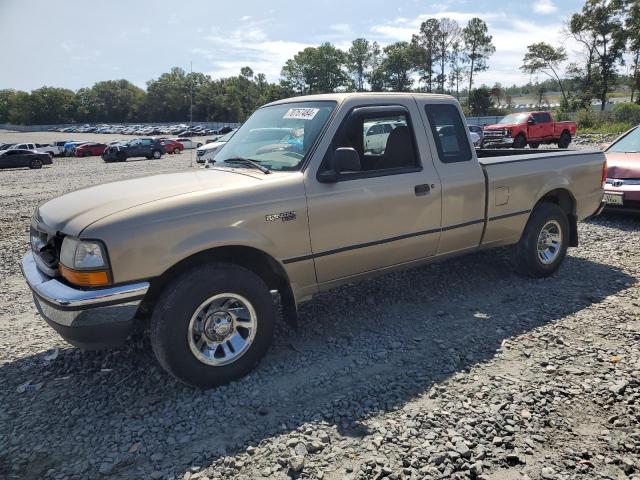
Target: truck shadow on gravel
(361, 350)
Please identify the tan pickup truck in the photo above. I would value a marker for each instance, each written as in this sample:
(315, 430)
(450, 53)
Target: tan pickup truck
(294, 203)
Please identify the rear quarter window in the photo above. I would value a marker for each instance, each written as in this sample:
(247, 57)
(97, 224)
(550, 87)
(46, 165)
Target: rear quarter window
(449, 132)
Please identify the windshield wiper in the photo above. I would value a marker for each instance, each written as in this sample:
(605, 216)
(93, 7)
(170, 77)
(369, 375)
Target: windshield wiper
(248, 162)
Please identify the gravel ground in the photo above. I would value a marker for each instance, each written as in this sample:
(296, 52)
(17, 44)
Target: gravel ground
(460, 369)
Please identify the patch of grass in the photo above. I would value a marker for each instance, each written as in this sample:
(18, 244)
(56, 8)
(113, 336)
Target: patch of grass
(609, 127)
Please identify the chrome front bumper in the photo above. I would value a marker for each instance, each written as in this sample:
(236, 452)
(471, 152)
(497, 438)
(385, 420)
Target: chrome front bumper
(89, 319)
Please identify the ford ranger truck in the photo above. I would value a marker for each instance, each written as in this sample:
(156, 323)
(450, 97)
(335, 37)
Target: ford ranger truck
(518, 130)
(294, 204)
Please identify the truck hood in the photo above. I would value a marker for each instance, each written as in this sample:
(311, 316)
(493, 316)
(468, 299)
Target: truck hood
(500, 126)
(73, 212)
(623, 165)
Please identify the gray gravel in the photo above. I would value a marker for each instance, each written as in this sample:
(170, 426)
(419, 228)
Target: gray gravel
(455, 370)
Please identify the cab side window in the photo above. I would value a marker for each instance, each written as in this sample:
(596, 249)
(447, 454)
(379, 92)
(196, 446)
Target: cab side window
(449, 132)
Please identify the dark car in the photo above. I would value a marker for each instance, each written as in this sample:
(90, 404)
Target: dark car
(222, 130)
(24, 158)
(139, 147)
(90, 149)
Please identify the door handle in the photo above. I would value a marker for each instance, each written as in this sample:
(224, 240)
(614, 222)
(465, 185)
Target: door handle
(422, 189)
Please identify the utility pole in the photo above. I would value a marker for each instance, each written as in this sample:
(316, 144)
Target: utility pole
(191, 108)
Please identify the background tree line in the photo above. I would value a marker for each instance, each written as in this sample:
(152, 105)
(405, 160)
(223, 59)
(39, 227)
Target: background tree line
(442, 56)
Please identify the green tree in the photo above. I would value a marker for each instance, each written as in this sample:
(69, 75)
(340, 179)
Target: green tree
(544, 58)
(480, 102)
(50, 105)
(7, 96)
(447, 41)
(396, 67)
(601, 20)
(316, 70)
(632, 26)
(425, 51)
(457, 70)
(478, 47)
(358, 61)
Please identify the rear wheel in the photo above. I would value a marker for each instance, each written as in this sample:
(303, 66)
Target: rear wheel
(156, 154)
(35, 163)
(544, 242)
(565, 140)
(520, 141)
(212, 324)
(176, 150)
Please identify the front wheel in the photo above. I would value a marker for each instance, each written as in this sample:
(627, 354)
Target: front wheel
(176, 150)
(156, 154)
(520, 141)
(35, 164)
(213, 324)
(544, 242)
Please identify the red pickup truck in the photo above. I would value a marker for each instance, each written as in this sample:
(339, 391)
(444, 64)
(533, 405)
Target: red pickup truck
(518, 130)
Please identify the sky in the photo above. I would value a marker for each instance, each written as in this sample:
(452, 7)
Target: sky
(74, 43)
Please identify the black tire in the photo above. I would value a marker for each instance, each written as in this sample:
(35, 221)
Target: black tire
(520, 141)
(565, 140)
(528, 261)
(534, 145)
(180, 300)
(156, 154)
(35, 164)
(176, 150)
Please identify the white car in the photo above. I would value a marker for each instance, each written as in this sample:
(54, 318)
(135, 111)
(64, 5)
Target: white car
(376, 136)
(187, 142)
(37, 147)
(206, 153)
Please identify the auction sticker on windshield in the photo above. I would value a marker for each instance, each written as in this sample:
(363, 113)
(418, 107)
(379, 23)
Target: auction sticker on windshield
(301, 113)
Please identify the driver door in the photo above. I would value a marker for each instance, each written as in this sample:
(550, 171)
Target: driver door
(386, 214)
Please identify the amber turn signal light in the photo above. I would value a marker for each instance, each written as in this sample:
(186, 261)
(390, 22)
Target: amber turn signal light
(85, 278)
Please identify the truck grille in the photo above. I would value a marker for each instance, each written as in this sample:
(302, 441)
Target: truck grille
(494, 134)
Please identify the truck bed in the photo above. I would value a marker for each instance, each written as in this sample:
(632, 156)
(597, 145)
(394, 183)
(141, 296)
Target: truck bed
(514, 177)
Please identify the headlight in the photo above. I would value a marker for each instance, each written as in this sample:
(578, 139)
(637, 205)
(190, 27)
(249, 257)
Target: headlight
(84, 263)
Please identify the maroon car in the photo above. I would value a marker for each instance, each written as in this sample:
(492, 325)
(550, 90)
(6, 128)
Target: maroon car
(171, 146)
(622, 187)
(90, 149)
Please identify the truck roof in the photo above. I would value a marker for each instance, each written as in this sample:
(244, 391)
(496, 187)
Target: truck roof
(339, 97)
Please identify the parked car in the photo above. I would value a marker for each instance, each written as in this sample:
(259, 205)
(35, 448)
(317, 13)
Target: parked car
(171, 146)
(90, 149)
(15, 158)
(207, 152)
(199, 252)
(376, 136)
(518, 130)
(477, 135)
(6, 146)
(36, 147)
(622, 188)
(187, 143)
(139, 147)
(222, 130)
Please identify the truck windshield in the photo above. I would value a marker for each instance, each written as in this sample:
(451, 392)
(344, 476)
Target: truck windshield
(278, 137)
(630, 143)
(515, 118)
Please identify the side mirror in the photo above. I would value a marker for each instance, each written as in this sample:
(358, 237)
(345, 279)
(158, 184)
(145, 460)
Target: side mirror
(531, 121)
(344, 159)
